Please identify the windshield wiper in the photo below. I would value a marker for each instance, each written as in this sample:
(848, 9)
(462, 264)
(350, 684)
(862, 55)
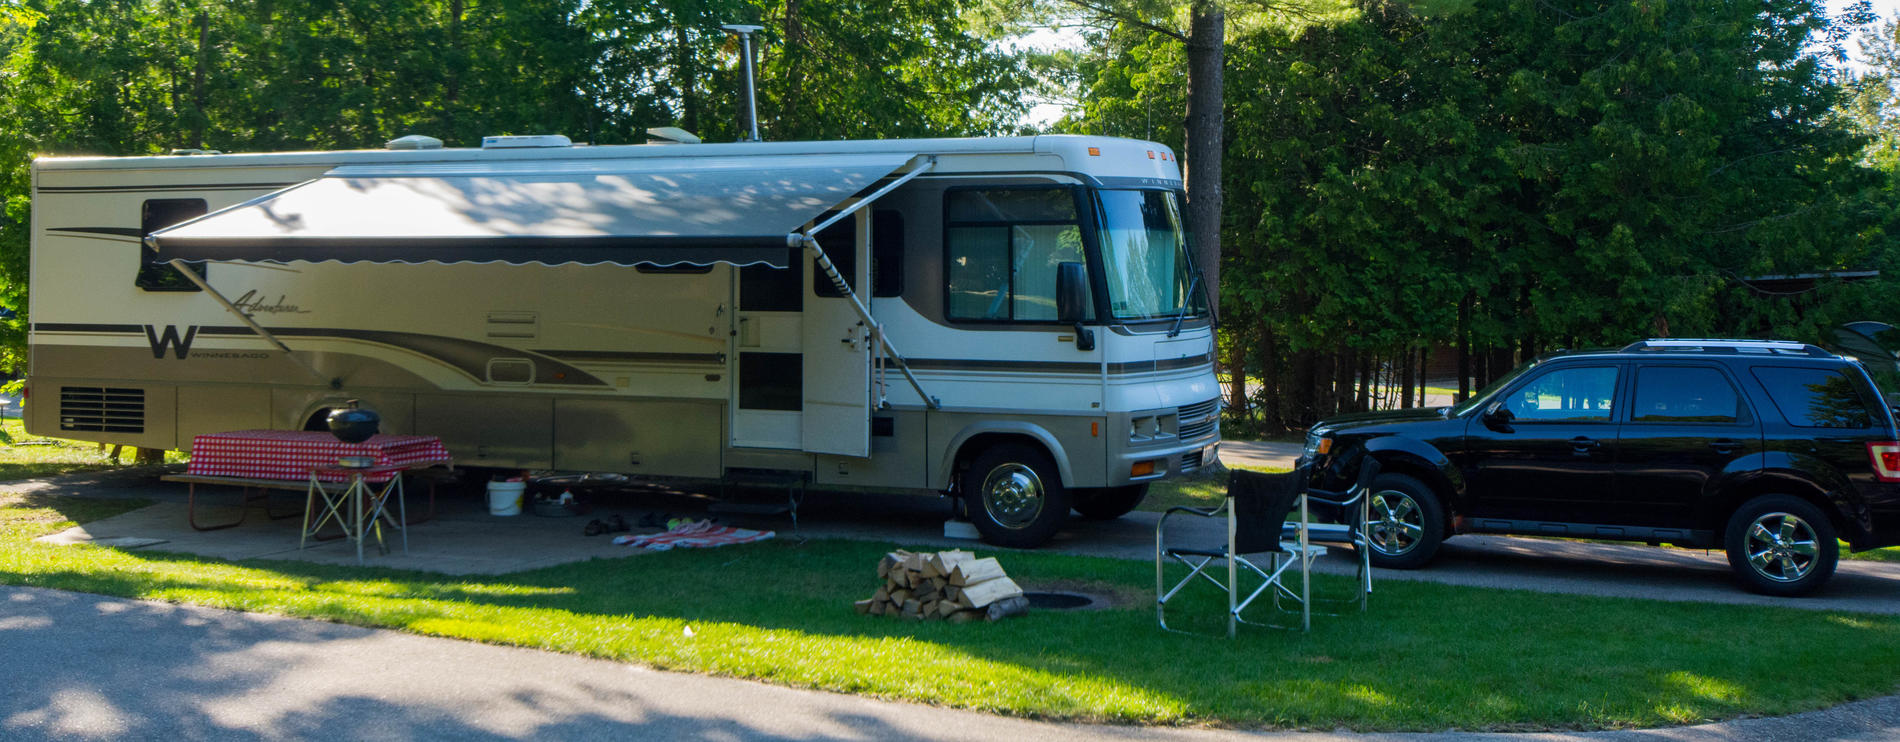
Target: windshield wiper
(1186, 302)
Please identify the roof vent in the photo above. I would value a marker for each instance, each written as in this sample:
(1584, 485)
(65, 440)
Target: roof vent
(530, 140)
(413, 141)
(670, 135)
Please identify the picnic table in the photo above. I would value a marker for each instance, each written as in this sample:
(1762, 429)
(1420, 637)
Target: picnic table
(258, 461)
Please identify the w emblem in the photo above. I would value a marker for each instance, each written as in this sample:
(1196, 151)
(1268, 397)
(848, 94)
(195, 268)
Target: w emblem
(169, 339)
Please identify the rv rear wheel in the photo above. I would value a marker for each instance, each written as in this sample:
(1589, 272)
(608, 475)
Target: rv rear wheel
(1014, 495)
(1109, 503)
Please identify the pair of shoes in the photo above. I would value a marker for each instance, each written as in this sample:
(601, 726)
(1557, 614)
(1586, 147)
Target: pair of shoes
(595, 528)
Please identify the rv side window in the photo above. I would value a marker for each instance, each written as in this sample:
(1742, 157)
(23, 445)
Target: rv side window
(1002, 248)
(887, 255)
(157, 214)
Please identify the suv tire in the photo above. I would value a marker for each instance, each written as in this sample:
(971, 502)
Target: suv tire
(1781, 545)
(1406, 522)
(1014, 495)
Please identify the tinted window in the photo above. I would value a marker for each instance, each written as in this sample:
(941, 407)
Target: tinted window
(1815, 397)
(156, 214)
(1684, 394)
(1565, 394)
(1003, 249)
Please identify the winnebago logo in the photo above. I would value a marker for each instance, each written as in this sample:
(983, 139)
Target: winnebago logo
(169, 340)
(251, 303)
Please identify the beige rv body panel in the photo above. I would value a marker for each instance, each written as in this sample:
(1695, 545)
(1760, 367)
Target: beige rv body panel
(586, 367)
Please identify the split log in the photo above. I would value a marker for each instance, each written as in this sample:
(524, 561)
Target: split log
(975, 571)
(986, 592)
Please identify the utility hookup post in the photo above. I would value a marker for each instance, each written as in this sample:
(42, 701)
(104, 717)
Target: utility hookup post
(751, 121)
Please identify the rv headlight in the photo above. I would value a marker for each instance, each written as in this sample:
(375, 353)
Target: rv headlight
(1143, 428)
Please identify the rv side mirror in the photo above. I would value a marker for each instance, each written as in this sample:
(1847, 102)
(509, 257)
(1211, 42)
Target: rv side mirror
(1072, 286)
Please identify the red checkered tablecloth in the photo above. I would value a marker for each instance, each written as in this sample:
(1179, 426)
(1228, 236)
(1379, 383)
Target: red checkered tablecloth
(291, 454)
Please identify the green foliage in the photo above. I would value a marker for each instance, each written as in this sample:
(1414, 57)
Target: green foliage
(1525, 174)
(140, 77)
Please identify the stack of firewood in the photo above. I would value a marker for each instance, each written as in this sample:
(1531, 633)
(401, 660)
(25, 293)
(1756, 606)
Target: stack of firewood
(948, 585)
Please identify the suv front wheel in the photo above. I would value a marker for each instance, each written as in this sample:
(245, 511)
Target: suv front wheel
(1405, 524)
(1781, 545)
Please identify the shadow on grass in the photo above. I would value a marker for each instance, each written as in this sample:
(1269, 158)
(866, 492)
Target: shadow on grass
(1425, 657)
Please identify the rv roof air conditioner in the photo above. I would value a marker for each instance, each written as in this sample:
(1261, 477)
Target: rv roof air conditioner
(523, 141)
(413, 141)
(670, 135)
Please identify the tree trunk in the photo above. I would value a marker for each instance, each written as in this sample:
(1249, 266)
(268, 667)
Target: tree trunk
(1272, 412)
(1236, 368)
(1206, 49)
(1345, 367)
(1405, 380)
(1302, 396)
(1464, 349)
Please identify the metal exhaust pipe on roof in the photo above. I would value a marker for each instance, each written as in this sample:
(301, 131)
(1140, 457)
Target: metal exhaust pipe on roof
(751, 112)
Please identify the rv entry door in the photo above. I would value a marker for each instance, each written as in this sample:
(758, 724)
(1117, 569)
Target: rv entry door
(837, 373)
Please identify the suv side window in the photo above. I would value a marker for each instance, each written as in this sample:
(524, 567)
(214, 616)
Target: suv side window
(1815, 397)
(1573, 394)
(1685, 394)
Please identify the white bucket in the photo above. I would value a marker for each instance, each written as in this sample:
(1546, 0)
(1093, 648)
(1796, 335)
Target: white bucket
(504, 498)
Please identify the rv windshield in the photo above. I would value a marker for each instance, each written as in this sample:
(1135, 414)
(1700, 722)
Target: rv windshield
(1144, 249)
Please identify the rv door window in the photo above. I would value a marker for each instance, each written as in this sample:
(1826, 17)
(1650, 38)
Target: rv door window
(157, 214)
(887, 255)
(1002, 249)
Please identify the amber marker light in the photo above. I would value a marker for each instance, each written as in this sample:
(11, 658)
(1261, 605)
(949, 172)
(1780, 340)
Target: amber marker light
(1142, 469)
(1095, 430)
(1095, 151)
(1325, 446)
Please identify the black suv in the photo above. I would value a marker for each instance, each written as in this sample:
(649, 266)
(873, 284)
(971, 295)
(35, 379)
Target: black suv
(1773, 450)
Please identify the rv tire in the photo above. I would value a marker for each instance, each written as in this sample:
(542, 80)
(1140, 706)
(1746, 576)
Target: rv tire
(1014, 495)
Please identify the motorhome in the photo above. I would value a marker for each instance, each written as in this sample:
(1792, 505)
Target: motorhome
(1015, 322)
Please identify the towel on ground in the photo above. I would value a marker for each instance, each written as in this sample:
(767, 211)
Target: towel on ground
(699, 534)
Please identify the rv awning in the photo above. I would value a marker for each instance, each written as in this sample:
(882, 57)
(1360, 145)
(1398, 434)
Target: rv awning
(653, 210)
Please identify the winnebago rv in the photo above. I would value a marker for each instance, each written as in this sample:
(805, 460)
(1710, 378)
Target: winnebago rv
(1013, 321)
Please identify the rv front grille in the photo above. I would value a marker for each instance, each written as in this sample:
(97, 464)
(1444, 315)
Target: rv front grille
(1199, 419)
(1191, 461)
(102, 409)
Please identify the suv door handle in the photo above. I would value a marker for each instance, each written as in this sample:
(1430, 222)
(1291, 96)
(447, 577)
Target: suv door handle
(1724, 446)
(1583, 445)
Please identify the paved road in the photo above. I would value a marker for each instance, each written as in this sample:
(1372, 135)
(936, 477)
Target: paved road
(83, 667)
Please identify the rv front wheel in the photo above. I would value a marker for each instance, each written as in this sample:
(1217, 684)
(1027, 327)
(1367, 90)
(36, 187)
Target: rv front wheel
(1014, 495)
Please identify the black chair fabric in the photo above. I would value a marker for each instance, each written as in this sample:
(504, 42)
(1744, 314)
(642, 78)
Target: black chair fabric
(1261, 503)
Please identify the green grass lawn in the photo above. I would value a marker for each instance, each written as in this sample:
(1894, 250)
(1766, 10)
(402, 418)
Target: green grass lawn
(1427, 657)
(30, 456)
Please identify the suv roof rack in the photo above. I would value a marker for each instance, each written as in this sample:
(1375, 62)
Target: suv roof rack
(1719, 345)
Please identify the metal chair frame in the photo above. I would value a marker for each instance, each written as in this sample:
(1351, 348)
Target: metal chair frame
(1355, 506)
(1299, 552)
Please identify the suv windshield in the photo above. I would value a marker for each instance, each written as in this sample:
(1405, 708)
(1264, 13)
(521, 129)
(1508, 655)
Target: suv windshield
(1144, 249)
(1490, 390)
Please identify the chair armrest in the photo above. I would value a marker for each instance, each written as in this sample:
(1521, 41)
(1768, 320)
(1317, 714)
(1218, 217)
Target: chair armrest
(1212, 512)
(1349, 496)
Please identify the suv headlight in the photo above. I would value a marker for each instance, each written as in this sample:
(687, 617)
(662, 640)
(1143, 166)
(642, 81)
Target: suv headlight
(1316, 446)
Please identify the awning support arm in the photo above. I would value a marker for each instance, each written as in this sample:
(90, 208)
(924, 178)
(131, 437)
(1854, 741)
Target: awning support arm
(185, 268)
(807, 241)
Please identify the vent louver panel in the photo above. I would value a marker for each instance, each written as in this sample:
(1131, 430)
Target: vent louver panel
(102, 409)
(1199, 419)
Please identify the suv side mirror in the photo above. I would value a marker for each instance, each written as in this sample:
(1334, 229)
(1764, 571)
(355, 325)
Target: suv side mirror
(1072, 297)
(1498, 417)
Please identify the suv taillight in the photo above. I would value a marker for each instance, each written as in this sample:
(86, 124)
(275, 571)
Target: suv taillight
(1886, 458)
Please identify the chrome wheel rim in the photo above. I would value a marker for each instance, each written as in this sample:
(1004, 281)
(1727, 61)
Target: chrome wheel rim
(1013, 495)
(1782, 547)
(1396, 525)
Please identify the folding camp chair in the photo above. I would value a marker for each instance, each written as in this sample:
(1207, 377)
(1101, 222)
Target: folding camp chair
(1255, 506)
(1349, 510)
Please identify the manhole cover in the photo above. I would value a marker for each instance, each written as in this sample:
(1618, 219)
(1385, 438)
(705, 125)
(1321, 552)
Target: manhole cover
(1058, 601)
